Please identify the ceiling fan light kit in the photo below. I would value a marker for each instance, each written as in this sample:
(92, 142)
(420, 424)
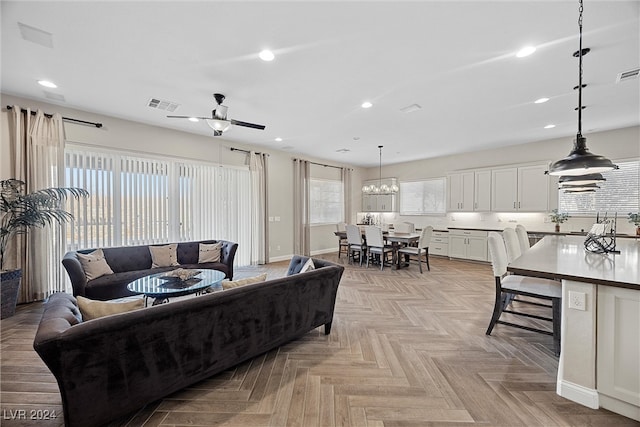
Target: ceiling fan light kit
(580, 161)
(218, 120)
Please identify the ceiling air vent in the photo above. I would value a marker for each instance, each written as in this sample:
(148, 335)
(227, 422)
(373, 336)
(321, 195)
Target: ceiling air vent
(161, 104)
(343, 150)
(410, 108)
(628, 75)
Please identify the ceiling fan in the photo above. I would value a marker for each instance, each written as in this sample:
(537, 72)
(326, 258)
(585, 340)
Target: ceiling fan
(218, 120)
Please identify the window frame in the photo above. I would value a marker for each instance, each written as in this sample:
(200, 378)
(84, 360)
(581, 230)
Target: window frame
(340, 215)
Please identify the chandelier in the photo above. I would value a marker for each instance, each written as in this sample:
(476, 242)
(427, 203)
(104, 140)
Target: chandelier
(380, 188)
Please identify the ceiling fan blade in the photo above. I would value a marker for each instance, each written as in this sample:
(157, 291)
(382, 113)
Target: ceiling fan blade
(247, 124)
(189, 117)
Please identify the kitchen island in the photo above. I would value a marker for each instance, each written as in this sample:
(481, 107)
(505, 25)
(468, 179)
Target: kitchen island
(599, 362)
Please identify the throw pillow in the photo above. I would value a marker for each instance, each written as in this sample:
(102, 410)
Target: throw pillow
(308, 266)
(209, 252)
(92, 309)
(94, 264)
(164, 256)
(228, 284)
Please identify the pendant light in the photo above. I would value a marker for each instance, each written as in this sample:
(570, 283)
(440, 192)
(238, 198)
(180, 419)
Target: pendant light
(580, 161)
(593, 178)
(380, 188)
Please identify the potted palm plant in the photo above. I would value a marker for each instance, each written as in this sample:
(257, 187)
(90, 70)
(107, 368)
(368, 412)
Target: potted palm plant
(20, 212)
(558, 218)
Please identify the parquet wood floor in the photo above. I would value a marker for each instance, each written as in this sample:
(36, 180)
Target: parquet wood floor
(406, 349)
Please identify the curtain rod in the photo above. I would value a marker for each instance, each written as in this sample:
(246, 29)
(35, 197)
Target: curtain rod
(66, 119)
(321, 164)
(245, 151)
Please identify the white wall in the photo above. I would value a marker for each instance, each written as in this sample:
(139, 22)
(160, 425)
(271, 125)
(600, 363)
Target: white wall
(127, 135)
(132, 136)
(616, 144)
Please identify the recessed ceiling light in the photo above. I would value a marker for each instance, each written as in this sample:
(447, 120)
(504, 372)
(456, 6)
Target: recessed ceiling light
(525, 51)
(193, 119)
(266, 55)
(278, 139)
(541, 100)
(367, 104)
(549, 126)
(47, 83)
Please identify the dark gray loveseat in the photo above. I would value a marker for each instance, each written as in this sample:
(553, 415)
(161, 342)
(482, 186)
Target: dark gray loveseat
(133, 262)
(111, 366)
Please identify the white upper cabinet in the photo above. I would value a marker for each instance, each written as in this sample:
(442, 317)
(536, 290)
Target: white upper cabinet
(461, 190)
(482, 191)
(533, 189)
(523, 189)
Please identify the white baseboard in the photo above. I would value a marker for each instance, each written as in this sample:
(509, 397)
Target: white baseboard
(585, 396)
(280, 258)
(324, 251)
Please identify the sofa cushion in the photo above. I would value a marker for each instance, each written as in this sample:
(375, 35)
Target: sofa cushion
(91, 309)
(94, 264)
(209, 252)
(164, 255)
(228, 284)
(128, 258)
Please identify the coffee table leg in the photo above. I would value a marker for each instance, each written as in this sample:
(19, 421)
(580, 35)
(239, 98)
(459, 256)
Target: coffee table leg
(158, 301)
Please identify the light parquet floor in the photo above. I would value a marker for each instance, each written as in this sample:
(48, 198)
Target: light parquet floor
(405, 349)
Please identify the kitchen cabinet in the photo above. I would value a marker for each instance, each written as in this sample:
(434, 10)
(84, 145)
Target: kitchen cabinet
(439, 244)
(523, 189)
(468, 244)
(461, 188)
(482, 191)
(469, 191)
(618, 348)
(379, 202)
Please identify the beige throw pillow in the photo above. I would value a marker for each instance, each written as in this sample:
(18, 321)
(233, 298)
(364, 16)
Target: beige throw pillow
(308, 266)
(94, 264)
(228, 284)
(209, 252)
(164, 256)
(92, 309)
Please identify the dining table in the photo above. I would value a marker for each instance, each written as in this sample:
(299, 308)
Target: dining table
(396, 239)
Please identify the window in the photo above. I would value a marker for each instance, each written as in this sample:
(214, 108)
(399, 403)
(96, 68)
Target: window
(325, 201)
(136, 200)
(423, 197)
(619, 193)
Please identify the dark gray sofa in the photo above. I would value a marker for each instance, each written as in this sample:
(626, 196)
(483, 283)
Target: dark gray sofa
(133, 262)
(112, 366)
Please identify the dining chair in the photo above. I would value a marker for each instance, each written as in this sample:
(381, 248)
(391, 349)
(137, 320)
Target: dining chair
(548, 290)
(511, 243)
(523, 238)
(376, 245)
(421, 249)
(343, 243)
(354, 239)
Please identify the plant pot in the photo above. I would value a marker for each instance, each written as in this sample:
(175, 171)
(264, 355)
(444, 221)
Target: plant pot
(557, 228)
(638, 231)
(9, 286)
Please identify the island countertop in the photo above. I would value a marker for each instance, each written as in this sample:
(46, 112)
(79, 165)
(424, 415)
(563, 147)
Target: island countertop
(564, 257)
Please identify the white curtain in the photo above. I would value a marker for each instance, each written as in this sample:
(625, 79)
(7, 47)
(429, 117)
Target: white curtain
(301, 228)
(37, 142)
(345, 175)
(259, 208)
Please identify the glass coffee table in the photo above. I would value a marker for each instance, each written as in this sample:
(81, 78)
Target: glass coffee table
(161, 287)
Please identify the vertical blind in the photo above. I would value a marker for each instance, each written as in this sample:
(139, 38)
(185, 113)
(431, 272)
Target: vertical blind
(136, 201)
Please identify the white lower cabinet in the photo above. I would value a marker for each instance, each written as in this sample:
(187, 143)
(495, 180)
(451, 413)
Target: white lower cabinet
(468, 244)
(618, 348)
(439, 244)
